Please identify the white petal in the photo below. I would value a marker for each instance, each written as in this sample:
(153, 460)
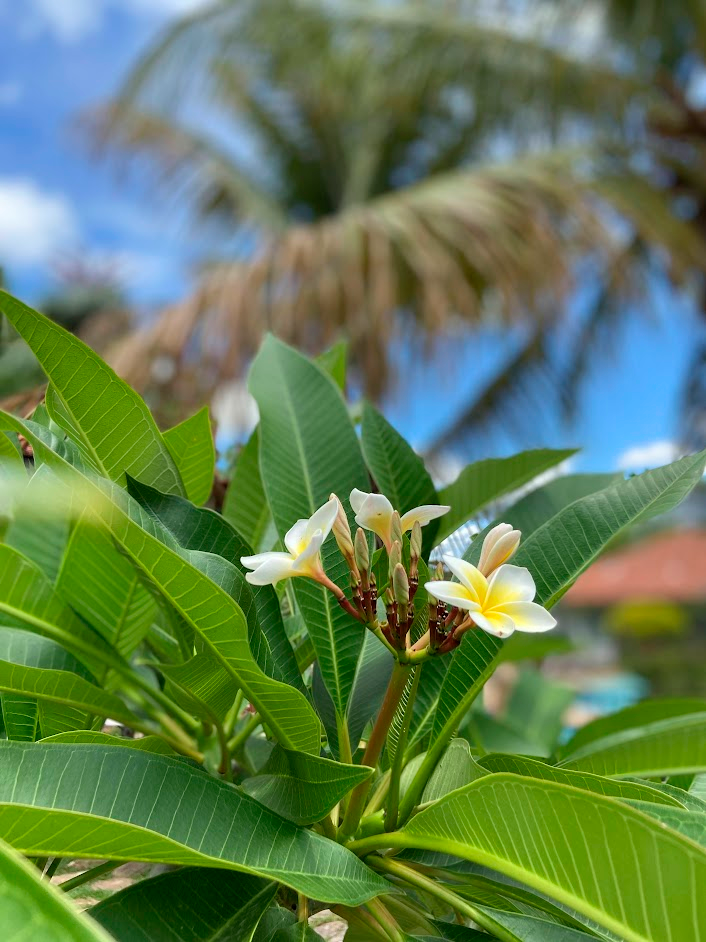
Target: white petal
(252, 562)
(454, 594)
(376, 514)
(423, 514)
(357, 499)
(306, 557)
(295, 537)
(528, 616)
(490, 540)
(272, 571)
(509, 584)
(466, 573)
(324, 518)
(495, 623)
(499, 553)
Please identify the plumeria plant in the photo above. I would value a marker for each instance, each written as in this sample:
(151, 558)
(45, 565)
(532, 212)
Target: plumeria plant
(297, 679)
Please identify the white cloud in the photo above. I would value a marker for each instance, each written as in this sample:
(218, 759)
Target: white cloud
(33, 222)
(68, 20)
(72, 20)
(649, 455)
(10, 93)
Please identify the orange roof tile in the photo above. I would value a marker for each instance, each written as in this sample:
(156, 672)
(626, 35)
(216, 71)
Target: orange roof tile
(666, 566)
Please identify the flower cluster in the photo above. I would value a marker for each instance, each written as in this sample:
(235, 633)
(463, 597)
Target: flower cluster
(494, 596)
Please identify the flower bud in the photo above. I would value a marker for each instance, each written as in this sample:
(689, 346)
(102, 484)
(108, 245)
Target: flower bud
(439, 572)
(400, 586)
(396, 528)
(362, 553)
(395, 556)
(415, 540)
(342, 531)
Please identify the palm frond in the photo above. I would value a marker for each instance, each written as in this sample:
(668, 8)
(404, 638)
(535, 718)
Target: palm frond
(491, 243)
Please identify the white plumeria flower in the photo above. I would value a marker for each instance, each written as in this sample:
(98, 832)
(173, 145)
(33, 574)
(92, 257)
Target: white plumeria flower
(303, 541)
(499, 605)
(498, 546)
(374, 512)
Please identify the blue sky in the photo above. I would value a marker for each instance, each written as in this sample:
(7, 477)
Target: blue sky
(59, 57)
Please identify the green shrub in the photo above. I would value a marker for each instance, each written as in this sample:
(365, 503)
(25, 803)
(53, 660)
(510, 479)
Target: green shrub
(294, 678)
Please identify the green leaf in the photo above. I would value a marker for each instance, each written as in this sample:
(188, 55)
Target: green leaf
(597, 855)
(536, 708)
(691, 824)
(471, 665)
(194, 904)
(277, 917)
(456, 768)
(397, 469)
(203, 687)
(632, 717)
(520, 647)
(21, 714)
(10, 453)
(300, 932)
(430, 684)
(29, 599)
(480, 483)
(191, 446)
(514, 927)
(534, 509)
(245, 505)
(494, 734)
(67, 690)
(308, 448)
(559, 551)
(108, 418)
(371, 678)
(520, 765)
(203, 605)
(122, 804)
(105, 589)
(206, 531)
(303, 788)
(41, 537)
(145, 744)
(668, 747)
(33, 909)
(334, 362)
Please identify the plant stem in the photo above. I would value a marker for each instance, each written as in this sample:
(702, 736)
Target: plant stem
(237, 741)
(89, 875)
(386, 920)
(226, 761)
(302, 908)
(376, 802)
(328, 827)
(372, 924)
(52, 868)
(398, 761)
(393, 695)
(232, 715)
(460, 905)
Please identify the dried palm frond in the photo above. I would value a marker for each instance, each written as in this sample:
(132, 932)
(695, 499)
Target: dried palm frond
(484, 246)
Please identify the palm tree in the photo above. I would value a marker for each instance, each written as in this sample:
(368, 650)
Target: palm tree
(375, 167)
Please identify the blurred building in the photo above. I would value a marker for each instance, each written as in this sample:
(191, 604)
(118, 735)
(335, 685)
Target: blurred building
(648, 601)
